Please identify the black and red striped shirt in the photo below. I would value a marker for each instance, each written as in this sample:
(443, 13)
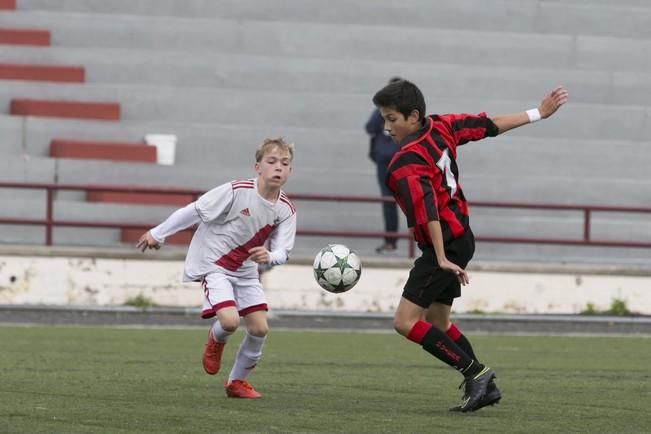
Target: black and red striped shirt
(424, 177)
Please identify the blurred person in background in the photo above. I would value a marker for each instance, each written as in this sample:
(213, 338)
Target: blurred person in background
(381, 151)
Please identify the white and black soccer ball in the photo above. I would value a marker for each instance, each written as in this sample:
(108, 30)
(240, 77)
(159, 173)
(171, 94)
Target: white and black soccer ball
(337, 268)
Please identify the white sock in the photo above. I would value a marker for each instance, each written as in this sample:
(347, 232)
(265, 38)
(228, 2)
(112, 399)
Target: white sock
(247, 357)
(219, 333)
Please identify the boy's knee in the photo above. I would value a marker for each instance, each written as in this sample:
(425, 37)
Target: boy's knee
(258, 330)
(229, 324)
(402, 326)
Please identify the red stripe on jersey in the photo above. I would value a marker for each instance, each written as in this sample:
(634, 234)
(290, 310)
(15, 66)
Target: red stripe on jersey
(450, 218)
(255, 308)
(466, 127)
(412, 170)
(236, 257)
(468, 134)
(242, 184)
(284, 199)
(418, 200)
(432, 143)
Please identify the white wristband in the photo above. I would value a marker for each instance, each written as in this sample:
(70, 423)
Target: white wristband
(534, 115)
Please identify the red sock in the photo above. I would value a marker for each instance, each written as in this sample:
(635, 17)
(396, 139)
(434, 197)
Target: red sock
(418, 331)
(439, 344)
(458, 338)
(453, 332)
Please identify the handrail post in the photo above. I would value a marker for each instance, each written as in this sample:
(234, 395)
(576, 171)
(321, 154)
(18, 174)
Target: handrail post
(48, 216)
(586, 225)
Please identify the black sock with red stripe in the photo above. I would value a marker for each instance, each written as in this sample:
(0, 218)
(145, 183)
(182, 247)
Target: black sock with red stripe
(458, 338)
(439, 344)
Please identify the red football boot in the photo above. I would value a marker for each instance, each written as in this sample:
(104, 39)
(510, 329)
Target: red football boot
(212, 354)
(241, 389)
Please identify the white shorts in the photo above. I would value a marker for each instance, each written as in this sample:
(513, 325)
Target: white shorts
(221, 290)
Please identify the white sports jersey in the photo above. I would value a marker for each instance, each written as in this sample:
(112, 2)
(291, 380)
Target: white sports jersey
(234, 219)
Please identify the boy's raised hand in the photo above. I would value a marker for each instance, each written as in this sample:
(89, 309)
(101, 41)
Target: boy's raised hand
(553, 102)
(147, 241)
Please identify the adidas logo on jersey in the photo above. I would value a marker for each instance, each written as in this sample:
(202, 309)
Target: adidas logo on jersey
(245, 212)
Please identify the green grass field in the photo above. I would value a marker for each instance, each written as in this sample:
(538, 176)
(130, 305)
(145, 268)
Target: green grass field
(103, 380)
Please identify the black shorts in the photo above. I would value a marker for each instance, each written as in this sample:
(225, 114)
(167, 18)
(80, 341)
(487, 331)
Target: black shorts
(428, 283)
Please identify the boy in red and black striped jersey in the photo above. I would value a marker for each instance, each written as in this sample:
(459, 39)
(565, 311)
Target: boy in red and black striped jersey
(424, 179)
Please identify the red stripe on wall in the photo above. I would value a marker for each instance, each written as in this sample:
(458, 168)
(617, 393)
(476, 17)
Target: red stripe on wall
(8, 5)
(65, 109)
(25, 37)
(116, 151)
(139, 198)
(59, 74)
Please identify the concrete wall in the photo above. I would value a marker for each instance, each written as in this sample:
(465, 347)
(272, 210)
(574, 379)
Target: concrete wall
(79, 277)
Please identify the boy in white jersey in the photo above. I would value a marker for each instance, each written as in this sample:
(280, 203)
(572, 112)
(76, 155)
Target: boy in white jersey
(235, 220)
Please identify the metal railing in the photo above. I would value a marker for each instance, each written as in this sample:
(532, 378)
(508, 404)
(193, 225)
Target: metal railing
(49, 222)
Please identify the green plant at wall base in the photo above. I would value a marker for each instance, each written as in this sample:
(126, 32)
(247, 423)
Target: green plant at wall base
(589, 310)
(617, 308)
(476, 312)
(140, 301)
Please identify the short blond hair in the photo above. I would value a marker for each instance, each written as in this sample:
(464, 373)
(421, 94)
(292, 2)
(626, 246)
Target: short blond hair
(268, 144)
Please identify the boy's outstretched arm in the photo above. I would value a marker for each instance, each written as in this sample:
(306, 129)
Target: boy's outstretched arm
(547, 107)
(180, 219)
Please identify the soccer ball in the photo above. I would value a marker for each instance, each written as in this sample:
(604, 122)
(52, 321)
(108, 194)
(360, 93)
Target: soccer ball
(337, 268)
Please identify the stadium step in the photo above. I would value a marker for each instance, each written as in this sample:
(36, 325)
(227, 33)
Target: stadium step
(61, 74)
(114, 151)
(8, 5)
(139, 198)
(35, 37)
(567, 17)
(460, 45)
(131, 236)
(65, 109)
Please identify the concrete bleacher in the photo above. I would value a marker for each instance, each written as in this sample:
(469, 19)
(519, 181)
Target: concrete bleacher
(223, 75)
(319, 109)
(456, 43)
(562, 17)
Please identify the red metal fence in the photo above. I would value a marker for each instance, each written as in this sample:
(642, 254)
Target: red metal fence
(50, 222)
